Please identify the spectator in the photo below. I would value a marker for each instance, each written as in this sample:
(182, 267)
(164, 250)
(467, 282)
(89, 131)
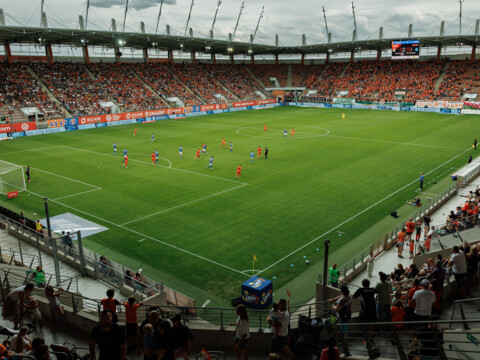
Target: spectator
(42, 352)
(423, 300)
(39, 277)
(343, 306)
(14, 304)
(109, 303)
(331, 352)
(472, 266)
(458, 263)
(367, 299)
(22, 219)
(166, 341)
(131, 325)
(104, 265)
(383, 290)
(5, 353)
(109, 337)
(149, 343)
(370, 263)
(152, 319)
(333, 275)
(242, 333)
(35, 344)
(20, 342)
(401, 242)
(397, 313)
(53, 304)
(279, 343)
(184, 337)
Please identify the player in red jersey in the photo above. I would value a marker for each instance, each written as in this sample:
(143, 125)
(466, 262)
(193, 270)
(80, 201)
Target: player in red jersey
(153, 158)
(265, 128)
(135, 132)
(223, 143)
(239, 172)
(125, 161)
(197, 155)
(292, 132)
(259, 152)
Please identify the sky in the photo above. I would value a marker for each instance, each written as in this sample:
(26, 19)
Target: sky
(287, 18)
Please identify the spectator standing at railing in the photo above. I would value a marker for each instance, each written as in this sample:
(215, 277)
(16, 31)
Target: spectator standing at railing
(343, 306)
(401, 242)
(423, 301)
(39, 277)
(53, 304)
(184, 337)
(22, 219)
(458, 264)
(109, 337)
(333, 275)
(242, 333)
(410, 226)
(131, 325)
(370, 263)
(14, 304)
(109, 303)
(368, 312)
(383, 290)
(472, 266)
(426, 221)
(279, 343)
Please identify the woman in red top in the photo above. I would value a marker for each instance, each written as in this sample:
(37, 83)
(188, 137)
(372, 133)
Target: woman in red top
(331, 352)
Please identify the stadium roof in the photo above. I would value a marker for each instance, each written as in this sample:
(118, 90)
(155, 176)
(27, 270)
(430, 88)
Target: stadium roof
(110, 39)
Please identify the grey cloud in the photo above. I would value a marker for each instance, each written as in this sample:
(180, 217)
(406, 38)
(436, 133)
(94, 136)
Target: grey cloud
(135, 4)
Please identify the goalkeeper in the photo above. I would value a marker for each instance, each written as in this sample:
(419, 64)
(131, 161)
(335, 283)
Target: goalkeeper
(27, 172)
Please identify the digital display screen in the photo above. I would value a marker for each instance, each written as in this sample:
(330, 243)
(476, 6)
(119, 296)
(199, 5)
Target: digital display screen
(406, 49)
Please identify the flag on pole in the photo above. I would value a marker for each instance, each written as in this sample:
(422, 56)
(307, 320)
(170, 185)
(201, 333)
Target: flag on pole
(254, 257)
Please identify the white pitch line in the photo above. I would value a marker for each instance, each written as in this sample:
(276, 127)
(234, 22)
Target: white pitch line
(144, 236)
(65, 177)
(358, 214)
(80, 193)
(142, 240)
(28, 150)
(448, 118)
(163, 166)
(181, 205)
(393, 142)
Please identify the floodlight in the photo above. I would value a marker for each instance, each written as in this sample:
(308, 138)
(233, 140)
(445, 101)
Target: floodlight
(230, 49)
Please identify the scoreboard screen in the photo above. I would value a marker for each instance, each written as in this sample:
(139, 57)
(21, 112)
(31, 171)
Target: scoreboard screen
(406, 49)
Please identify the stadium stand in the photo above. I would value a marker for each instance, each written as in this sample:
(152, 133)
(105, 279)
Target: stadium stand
(264, 72)
(21, 90)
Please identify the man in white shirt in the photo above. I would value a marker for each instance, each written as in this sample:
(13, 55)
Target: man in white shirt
(423, 300)
(279, 343)
(458, 263)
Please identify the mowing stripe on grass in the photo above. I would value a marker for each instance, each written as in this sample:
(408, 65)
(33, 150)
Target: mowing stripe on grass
(65, 177)
(163, 166)
(28, 150)
(142, 235)
(393, 142)
(181, 205)
(358, 214)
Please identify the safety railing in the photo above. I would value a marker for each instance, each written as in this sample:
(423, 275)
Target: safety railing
(466, 309)
(386, 241)
(110, 271)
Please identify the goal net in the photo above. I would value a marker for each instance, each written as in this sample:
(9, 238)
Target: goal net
(11, 178)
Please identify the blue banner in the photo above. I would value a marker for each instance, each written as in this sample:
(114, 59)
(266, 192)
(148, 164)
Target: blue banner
(328, 105)
(196, 108)
(100, 124)
(44, 131)
(72, 127)
(18, 134)
(446, 111)
(120, 122)
(71, 121)
(347, 106)
(86, 126)
(157, 118)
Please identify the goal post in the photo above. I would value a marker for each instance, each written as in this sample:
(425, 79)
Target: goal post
(12, 178)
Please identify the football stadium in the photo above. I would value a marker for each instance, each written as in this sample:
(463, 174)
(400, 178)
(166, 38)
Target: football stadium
(180, 178)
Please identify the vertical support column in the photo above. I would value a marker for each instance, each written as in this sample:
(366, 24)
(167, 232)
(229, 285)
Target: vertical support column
(8, 53)
(170, 56)
(253, 59)
(49, 52)
(230, 38)
(352, 53)
(86, 57)
(410, 30)
(472, 57)
(474, 47)
(379, 51)
(214, 59)
(276, 44)
(327, 60)
(145, 49)
(193, 58)
(117, 54)
(303, 59)
(439, 52)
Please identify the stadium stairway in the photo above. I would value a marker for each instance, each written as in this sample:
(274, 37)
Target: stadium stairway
(342, 74)
(202, 101)
(149, 87)
(440, 78)
(290, 75)
(254, 77)
(221, 85)
(47, 90)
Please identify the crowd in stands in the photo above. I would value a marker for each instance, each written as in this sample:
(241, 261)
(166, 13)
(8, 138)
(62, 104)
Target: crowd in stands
(121, 85)
(78, 92)
(264, 72)
(229, 76)
(18, 89)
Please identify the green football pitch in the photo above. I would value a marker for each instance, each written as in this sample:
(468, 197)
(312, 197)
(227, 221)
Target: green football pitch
(197, 229)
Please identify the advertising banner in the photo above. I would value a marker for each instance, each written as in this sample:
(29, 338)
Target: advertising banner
(213, 107)
(57, 123)
(32, 125)
(71, 121)
(471, 105)
(244, 103)
(440, 104)
(91, 119)
(83, 127)
(6, 128)
(267, 101)
(12, 194)
(257, 293)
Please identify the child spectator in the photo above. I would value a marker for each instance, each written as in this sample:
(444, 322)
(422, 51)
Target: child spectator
(275, 316)
(397, 313)
(53, 304)
(412, 248)
(131, 321)
(418, 231)
(111, 304)
(149, 343)
(33, 307)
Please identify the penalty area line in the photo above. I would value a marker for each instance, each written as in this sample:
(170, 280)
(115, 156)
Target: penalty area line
(358, 214)
(182, 205)
(76, 194)
(143, 235)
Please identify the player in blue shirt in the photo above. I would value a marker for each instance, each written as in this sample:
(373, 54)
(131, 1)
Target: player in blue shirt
(285, 133)
(422, 179)
(156, 156)
(114, 148)
(124, 152)
(153, 138)
(180, 151)
(204, 149)
(210, 163)
(231, 146)
(252, 155)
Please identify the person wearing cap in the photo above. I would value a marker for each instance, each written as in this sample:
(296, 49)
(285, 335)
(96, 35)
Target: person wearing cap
(184, 338)
(423, 300)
